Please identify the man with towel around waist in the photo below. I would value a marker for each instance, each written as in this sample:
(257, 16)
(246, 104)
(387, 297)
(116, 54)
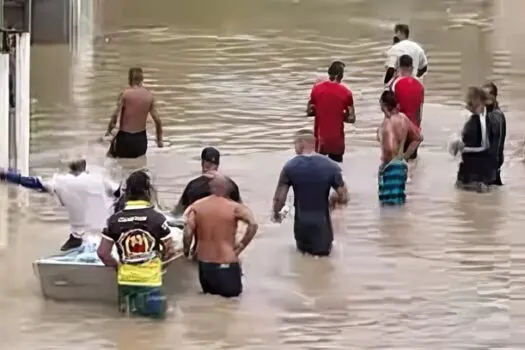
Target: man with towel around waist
(311, 176)
(395, 131)
(144, 245)
(213, 222)
(87, 197)
(133, 106)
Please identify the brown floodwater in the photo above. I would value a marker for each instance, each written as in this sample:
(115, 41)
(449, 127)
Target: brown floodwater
(445, 272)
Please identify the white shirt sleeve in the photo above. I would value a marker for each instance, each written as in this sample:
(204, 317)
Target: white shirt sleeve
(110, 186)
(423, 62)
(391, 57)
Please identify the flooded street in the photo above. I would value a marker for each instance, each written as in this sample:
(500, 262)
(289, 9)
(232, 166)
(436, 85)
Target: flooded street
(445, 272)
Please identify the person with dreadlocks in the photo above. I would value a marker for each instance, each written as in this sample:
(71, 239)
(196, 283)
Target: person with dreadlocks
(144, 246)
(87, 197)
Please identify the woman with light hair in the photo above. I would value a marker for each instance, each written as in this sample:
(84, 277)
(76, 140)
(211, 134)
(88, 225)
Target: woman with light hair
(87, 197)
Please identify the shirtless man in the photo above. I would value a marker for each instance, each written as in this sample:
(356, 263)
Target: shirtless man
(213, 222)
(133, 106)
(395, 131)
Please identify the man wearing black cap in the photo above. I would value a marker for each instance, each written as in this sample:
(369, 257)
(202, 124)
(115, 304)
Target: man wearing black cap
(199, 187)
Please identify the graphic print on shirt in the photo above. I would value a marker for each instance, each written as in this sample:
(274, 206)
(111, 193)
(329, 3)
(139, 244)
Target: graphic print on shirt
(137, 246)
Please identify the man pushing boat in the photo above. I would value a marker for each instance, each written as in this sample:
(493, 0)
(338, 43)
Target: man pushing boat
(87, 197)
(144, 245)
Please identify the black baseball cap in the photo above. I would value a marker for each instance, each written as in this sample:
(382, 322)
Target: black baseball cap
(210, 154)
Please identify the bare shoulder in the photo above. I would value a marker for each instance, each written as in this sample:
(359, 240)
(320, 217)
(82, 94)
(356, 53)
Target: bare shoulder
(240, 208)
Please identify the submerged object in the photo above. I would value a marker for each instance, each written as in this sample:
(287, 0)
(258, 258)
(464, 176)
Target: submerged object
(79, 275)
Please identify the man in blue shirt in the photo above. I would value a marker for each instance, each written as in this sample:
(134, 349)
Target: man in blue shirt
(311, 176)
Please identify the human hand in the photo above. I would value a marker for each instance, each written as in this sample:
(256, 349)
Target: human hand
(277, 217)
(160, 143)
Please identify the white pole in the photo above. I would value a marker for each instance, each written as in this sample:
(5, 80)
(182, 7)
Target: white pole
(4, 110)
(23, 101)
(4, 145)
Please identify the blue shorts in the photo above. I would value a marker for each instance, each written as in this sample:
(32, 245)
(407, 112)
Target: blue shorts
(142, 301)
(392, 182)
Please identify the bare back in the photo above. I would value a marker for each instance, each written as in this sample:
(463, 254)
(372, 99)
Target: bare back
(137, 102)
(395, 132)
(215, 229)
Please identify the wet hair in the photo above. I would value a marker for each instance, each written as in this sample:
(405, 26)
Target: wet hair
(406, 62)
(388, 99)
(493, 89)
(138, 186)
(402, 28)
(77, 165)
(476, 92)
(305, 135)
(135, 76)
(336, 70)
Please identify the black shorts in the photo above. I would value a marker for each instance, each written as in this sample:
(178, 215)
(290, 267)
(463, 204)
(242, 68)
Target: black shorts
(335, 157)
(220, 279)
(128, 145)
(314, 237)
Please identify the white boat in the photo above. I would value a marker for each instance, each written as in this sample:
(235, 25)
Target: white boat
(66, 280)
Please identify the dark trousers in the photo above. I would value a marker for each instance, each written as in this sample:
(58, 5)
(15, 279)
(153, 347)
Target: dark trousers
(128, 145)
(220, 279)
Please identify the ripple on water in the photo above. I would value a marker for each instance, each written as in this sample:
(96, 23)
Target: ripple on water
(446, 269)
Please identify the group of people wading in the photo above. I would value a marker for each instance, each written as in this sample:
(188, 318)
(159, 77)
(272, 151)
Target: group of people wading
(211, 203)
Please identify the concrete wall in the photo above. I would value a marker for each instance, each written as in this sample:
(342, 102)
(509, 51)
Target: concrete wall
(51, 21)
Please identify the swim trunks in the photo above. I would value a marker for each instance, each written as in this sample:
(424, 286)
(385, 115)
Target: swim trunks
(392, 182)
(142, 301)
(313, 236)
(128, 145)
(220, 279)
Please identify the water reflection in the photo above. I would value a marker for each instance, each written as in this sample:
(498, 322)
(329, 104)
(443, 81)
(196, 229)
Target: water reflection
(237, 76)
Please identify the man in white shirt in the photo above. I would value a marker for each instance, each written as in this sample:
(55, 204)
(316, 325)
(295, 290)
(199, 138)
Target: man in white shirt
(87, 197)
(404, 46)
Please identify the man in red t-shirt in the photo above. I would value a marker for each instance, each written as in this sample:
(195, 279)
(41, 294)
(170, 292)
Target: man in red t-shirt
(331, 104)
(409, 93)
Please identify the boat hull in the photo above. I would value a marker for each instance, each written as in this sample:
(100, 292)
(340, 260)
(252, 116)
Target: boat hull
(75, 281)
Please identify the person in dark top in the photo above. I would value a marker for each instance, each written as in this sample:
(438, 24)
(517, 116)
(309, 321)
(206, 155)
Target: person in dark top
(199, 187)
(311, 176)
(476, 170)
(213, 222)
(144, 246)
(499, 122)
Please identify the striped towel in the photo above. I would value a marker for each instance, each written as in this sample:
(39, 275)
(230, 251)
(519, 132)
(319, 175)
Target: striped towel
(391, 183)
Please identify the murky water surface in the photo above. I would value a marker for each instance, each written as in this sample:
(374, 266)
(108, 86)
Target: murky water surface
(446, 272)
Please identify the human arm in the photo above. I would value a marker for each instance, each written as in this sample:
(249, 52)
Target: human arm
(388, 142)
(243, 213)
(190, 226)
(340, 196)
(423, 64)
(168, 251)
(350, 109)
(183, 203)
(106, 246)
(158, 124)
(392, 56)
(310, 108)
(415, 137)
(31, 182)
(281, 192)
(112, 188)
(419, 111)
(116, 112)
(234, 193)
